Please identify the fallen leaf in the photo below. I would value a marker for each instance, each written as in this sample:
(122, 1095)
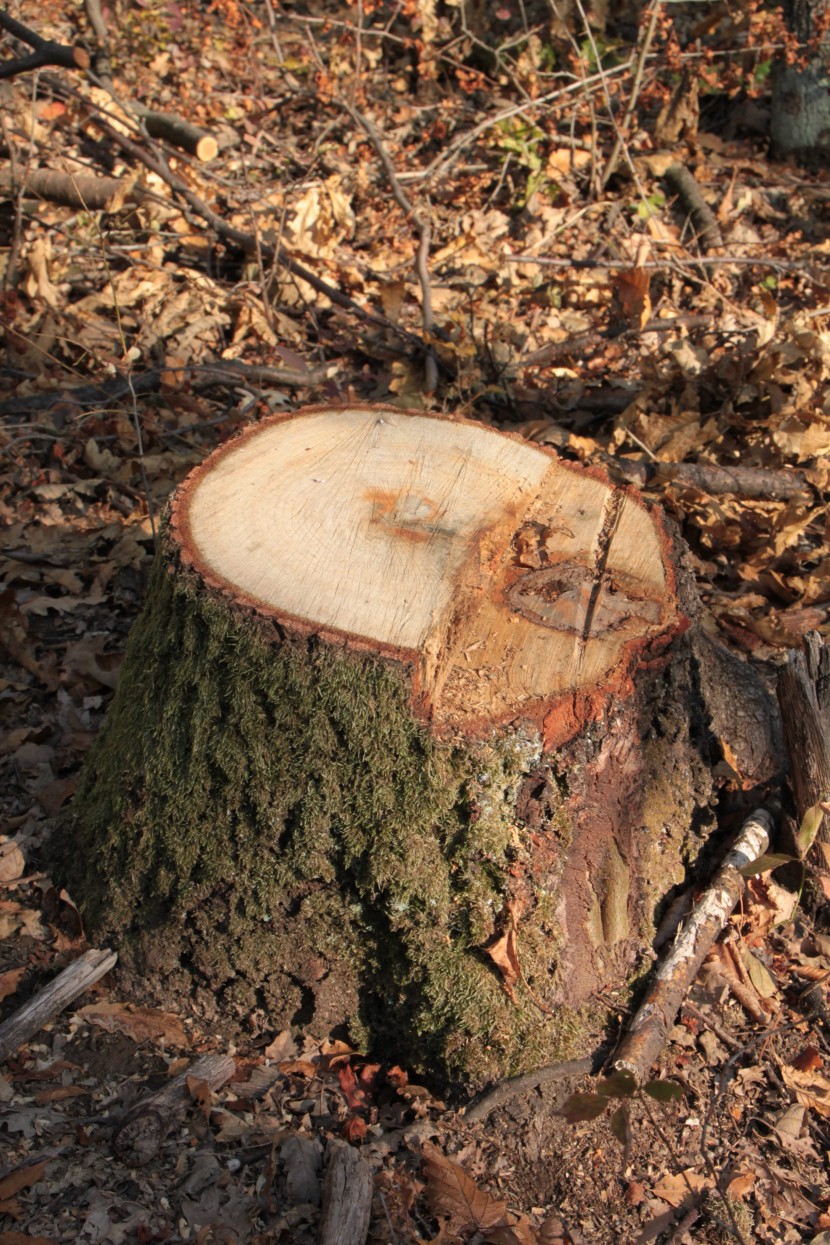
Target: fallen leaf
(808, 1060)
(740, 1185)
(632, 289)
(141, 1024)
(759, 975)
(811, 1089)
(12, 860)
(504, 954)
(9, 981)
(355, 1129)
(21, 1178)
(451, 1194)
(282, 1047)
(675, 1188)
(58, 1093)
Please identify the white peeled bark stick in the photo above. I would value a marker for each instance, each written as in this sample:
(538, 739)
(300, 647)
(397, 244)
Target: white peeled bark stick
(52, 999)
(648, 1031)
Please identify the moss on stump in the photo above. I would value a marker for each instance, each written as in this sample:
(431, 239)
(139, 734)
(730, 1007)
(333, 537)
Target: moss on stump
(389, 743)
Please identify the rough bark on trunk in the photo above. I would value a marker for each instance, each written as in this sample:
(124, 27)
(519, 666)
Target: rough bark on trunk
(414, 735)
(800, 116)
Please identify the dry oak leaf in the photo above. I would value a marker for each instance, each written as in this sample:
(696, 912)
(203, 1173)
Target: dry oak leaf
(451, 1194)
(811, 1089)
(21, 1178)
(142, 1024)
(504, 954)
(675, 1188)
(10, 980)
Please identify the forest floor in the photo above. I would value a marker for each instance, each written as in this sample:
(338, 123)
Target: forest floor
(672, 328)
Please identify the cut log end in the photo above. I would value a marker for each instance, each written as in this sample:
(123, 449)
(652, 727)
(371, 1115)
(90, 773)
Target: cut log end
(509, 583)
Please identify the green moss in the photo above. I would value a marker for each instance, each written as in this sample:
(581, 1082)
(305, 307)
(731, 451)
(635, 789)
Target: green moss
(256, 804)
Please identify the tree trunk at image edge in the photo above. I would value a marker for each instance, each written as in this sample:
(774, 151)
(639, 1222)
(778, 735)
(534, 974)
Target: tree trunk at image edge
(800, 115)
(412, 739)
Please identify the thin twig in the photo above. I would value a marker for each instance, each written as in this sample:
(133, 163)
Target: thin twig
(442, 163)
(421, 223)
(622, 129)
(154, 160)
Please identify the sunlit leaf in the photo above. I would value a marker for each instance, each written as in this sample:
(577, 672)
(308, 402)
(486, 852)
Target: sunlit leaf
(454, 1195)
(809, 828)
(771, 860)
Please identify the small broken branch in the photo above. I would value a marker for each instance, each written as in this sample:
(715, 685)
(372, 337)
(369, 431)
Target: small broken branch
(46, 51)
(755, 482)
(178, 132)
(685, 186)
(52, 999)
(143, 1128)
(483, 1104)
(74, 190)
(649, 1029)
(622, 128)
(227, 372)
(347, 1196)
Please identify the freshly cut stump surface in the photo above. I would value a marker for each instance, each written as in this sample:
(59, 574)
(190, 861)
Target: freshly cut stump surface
(381, 758)
(507, 579)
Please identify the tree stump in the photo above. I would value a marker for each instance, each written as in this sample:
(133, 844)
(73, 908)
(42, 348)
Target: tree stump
(414, 736)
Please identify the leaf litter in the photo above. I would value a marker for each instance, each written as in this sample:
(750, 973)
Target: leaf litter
(584, 320)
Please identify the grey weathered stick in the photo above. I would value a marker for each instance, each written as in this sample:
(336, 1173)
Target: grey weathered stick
(347, 1196)
(52, 999)
(505, 1091)
(143, 1128)
(656, 1014)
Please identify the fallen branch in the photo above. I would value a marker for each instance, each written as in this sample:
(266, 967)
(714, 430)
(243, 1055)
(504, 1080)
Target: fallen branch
(143, 1128)
(178, 132)
(230, 372)
(685, 186)
(656, 1014)
(52, 999)
(622, 128)
(755, 482)
(347, 1196)
(74, 190)
(46, 51)
(483, 1104)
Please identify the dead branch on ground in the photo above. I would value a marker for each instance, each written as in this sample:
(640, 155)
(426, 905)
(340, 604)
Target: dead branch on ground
(73, 190)
(46, 51)
(648, 1031)
(143, 1128)
(52, 999)
(684, 184)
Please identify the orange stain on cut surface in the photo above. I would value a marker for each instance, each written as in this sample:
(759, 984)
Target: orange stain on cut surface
(404, 515)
